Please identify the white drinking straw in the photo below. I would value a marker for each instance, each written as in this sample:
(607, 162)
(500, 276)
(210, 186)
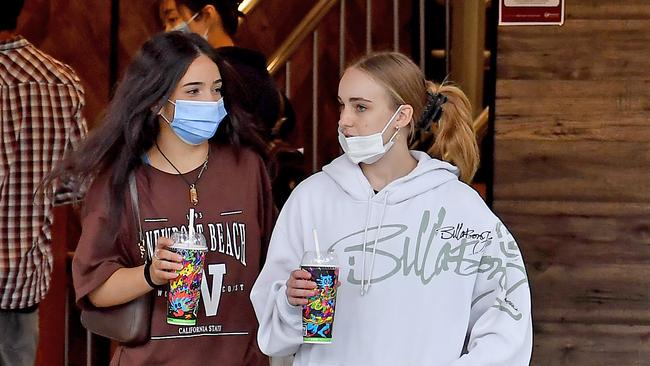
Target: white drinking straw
(316, 242)
(191, 228)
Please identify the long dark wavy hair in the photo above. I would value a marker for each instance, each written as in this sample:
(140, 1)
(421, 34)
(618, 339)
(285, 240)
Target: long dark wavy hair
(131, 126)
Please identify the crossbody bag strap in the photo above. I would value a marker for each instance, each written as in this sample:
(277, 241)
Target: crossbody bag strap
(133, 188)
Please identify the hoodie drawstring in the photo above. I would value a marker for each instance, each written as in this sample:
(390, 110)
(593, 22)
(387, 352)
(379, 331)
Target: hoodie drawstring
(364, 289)
(365, 240)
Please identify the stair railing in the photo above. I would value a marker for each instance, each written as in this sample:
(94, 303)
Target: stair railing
(247, 6)
(309, 26)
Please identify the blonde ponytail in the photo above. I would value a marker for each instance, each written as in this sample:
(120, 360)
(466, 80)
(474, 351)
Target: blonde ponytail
(455, 140)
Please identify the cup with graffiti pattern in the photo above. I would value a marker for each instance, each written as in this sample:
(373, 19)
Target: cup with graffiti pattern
(185, 290)
(318, 314)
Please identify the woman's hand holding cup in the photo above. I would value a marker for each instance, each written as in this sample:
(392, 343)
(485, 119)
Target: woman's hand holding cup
(300, 287)
(165, 263)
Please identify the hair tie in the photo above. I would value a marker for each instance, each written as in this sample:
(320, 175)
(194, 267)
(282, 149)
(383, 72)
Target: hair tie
(432, 109)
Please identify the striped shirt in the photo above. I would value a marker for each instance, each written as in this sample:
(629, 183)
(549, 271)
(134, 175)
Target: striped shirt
(41, 102)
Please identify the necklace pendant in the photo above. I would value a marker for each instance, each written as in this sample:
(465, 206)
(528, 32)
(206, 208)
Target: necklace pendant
(194, 195)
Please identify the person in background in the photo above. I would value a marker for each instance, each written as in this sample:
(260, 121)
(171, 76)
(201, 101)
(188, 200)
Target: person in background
(41, 121)
(168, 15)
(218, 21)
(175, 124)
(429, 275)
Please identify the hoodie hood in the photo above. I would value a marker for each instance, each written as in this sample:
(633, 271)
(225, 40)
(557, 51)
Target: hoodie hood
(428, 174)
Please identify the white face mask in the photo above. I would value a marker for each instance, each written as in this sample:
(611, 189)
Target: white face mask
(368, 149)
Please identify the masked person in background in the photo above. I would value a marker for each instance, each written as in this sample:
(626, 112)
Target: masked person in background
(168, 15)
(429, 275)
(218, 21)
(175, 124)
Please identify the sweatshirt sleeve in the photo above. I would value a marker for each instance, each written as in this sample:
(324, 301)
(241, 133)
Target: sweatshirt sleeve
(500, 328)
(280, 324)
(93, 262)
(267, 212)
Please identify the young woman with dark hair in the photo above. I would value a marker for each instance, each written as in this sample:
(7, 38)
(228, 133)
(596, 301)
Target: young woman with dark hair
(175, 124)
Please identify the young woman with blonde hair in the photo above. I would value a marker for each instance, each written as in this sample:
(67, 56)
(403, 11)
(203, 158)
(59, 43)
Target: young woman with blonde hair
(429, 275)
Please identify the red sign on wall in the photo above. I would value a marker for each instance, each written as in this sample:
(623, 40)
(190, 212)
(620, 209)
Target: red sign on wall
(531, 12)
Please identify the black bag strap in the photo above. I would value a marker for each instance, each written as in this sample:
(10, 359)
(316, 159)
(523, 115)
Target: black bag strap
(133, 188)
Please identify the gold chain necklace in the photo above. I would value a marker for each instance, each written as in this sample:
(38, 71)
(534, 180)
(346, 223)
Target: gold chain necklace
(194, 194)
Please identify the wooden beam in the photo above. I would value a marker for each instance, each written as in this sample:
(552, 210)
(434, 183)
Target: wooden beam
(467, 49)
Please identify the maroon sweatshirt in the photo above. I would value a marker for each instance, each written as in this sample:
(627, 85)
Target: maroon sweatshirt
(235, 213)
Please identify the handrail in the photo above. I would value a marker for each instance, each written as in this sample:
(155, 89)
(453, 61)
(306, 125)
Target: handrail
(306, 26)
(480, 124)
(247, 6)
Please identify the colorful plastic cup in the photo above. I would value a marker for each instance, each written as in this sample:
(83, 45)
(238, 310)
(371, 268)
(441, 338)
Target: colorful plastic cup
(185, 290)
(318, 314)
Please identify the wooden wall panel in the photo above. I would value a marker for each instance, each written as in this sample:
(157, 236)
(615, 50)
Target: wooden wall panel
(382, 25)
(593, 345)
(301, 97)
(563, 53)
(588, 233)
(591, 294)
(75, 32)
(138, 21)
(588, 262)
(328, 110)
(598, 9)
(571, 181)
(546, 110)
(572, 170)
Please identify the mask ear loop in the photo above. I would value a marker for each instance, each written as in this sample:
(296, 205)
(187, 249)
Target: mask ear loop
(192, 18)
(394, 135)
(163, 116)
(392, 118)
(185, 24)
(391, 121)
(207, 30)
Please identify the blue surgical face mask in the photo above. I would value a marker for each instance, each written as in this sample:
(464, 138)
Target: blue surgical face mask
(195, 122)
(184, 26)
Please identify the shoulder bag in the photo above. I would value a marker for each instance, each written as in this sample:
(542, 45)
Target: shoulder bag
(129, 323)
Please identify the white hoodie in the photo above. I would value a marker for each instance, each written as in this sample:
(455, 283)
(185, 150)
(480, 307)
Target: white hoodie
(448, 285)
